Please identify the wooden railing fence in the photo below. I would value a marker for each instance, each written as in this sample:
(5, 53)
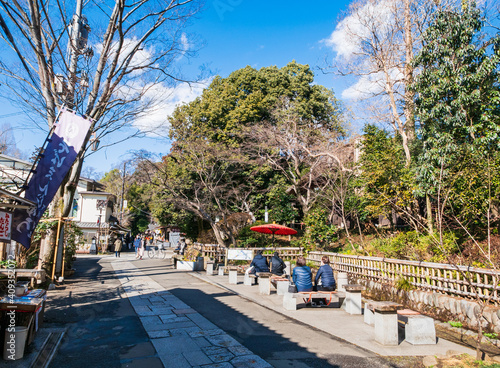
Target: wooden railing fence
(217, 252)
(456, 280)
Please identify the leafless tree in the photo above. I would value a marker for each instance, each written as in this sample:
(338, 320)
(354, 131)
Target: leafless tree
(302, 151)
(203, 179)
(115, 76)
(375, 42)
(135, 45)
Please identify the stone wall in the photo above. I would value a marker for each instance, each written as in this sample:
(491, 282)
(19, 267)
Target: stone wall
(439, 306)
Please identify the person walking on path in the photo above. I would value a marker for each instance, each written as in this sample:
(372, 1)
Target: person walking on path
(137, 244)
(142, 245)
(118, 247)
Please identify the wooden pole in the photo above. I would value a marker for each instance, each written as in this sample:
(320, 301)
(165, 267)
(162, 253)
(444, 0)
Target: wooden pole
(64, 256)
(55, 251)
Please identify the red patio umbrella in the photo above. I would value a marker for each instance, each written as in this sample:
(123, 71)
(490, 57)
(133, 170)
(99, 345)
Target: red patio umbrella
(274, 229)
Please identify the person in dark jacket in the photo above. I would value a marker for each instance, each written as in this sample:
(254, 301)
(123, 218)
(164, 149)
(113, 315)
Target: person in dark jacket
(302, 276)
(325, 274)
(259, 263)
(277, 265)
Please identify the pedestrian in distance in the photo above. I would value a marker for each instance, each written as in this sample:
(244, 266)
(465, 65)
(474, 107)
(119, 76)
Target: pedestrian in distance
(142, 247)
(118, 247)
(137, 244)
(181, 246)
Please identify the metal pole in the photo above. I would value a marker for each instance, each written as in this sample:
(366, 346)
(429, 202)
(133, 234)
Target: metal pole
(74, 51)
(64, 255)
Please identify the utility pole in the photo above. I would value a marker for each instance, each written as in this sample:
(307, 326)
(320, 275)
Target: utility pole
(73, 52)
(76, 46)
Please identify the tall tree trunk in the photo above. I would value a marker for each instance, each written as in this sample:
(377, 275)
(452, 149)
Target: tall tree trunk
(218, 234)
(408, 72)
(428, 204)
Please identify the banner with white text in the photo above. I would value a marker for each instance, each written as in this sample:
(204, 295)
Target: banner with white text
(60, 153)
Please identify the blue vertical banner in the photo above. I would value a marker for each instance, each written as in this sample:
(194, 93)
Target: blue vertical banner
(58, 157)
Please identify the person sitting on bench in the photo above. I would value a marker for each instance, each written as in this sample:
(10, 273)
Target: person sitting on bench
(277, 265)
(302, 276)
(325, 274)
(259, 263)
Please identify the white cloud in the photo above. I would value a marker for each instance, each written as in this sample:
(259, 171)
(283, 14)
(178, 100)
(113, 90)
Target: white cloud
(373, 84)
(185, 46)
(141, 57)
(162, 101)
(347, 38)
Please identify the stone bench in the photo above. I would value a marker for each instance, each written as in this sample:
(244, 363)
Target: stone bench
(233, 274)
(352, 302)
(386, 322)
(369, 313)
(419, 329)
(250, 279)
(290, 299)
(210, 268)
(264, 281)
(281, 284)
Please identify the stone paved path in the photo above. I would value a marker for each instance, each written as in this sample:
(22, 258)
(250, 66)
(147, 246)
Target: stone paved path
(181, 336)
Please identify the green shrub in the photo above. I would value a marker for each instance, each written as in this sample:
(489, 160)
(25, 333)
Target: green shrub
(403, 284)
(455, 324)
(414, 246)
(318, 233)
(251, 239)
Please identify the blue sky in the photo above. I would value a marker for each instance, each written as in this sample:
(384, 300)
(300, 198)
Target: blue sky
(234, 33)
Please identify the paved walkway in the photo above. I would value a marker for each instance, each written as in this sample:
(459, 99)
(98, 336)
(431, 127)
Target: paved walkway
(181, 336)
(334, 321)
(122, 312)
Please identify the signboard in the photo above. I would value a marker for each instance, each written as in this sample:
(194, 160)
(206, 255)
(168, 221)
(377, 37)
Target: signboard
(174, 238)
(240, 254)
(5, 225)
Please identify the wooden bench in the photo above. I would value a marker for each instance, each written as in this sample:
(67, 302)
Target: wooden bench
(419, 329)
(290, 299)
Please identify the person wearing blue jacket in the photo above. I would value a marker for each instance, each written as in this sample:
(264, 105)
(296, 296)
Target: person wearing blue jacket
(302, 276)
(259, 263)
(325, 274)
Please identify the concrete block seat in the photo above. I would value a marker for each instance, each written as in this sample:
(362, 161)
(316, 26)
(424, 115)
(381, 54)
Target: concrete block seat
(210, 268)
(369, 309)
(386, 322)
(250, 279)
(233, 274)
(280, 283)
(264, 281)
(352, 302)
(419, 329)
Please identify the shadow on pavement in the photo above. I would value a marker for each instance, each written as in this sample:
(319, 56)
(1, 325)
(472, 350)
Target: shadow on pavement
(102, 327)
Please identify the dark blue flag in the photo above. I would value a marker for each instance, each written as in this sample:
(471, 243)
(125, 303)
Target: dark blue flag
(59, 155)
